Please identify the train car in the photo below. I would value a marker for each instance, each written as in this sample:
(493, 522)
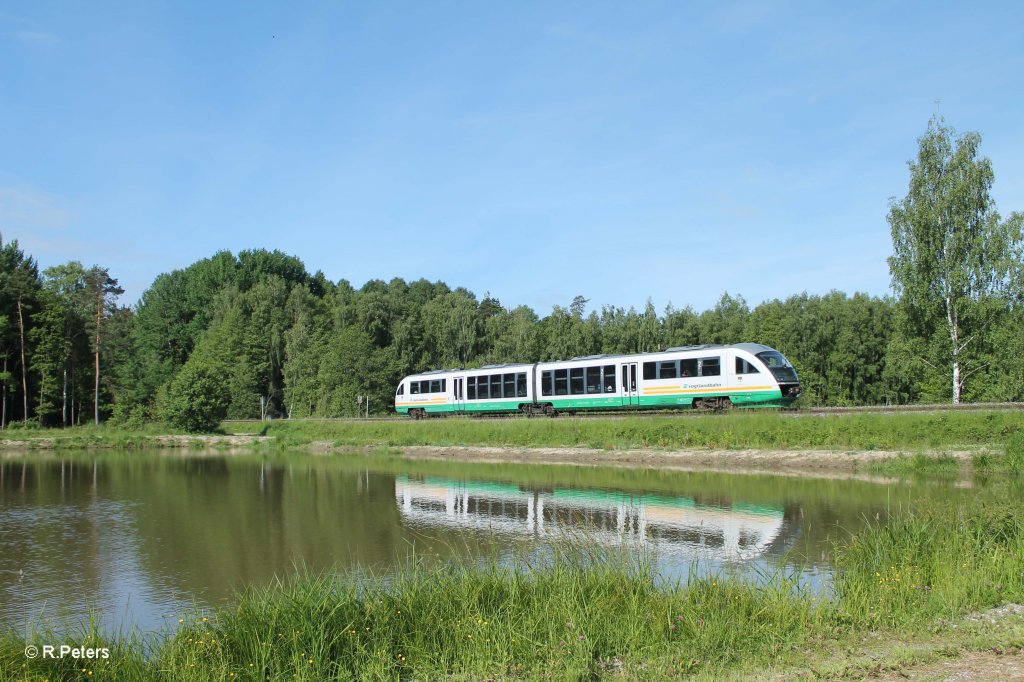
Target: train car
(487, 389)
(716, 377)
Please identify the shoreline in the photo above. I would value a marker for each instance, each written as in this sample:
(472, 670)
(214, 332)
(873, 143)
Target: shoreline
(815, 463)
(728, 461)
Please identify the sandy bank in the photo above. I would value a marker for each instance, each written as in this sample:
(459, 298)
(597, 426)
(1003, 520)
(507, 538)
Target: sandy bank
(795, 462)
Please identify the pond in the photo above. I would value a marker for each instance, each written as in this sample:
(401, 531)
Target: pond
(138, 539)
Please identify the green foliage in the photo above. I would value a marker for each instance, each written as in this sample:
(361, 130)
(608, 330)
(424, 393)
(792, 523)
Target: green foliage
(954, 259)
(19, 293)
(1015, 451)
(197, 399)
(837, 343)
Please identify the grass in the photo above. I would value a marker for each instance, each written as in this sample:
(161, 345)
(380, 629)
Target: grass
(760, 430)
(580, 612)
(923, 464)
(908, 432)
(1014, 455)
(105, 436)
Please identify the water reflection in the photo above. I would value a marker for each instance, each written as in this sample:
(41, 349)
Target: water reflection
(139, 538)
(679, 526)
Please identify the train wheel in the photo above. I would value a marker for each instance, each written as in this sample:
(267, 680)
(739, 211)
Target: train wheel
(550, 411)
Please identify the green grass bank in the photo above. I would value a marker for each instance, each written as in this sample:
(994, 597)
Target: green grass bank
(759, 430)
(580, 613)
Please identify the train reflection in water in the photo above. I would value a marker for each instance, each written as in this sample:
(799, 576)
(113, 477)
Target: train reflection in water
(680, 526)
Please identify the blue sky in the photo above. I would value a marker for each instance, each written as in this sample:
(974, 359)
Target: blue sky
(536, 151)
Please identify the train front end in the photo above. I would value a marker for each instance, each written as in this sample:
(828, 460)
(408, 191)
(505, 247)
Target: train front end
(784, 373)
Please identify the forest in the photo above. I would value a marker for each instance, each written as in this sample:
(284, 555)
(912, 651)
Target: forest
(254, 334)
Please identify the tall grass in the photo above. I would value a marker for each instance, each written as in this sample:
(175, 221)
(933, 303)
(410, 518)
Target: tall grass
(933, 562)
(1014, 457)
(582, 612)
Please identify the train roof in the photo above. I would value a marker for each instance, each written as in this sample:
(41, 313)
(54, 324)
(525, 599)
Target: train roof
(753, 348)
(437, 371)
(470, 369)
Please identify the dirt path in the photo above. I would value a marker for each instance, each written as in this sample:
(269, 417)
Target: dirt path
(996, 665)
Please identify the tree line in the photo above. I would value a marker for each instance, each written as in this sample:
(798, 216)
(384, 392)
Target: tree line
(256, 335)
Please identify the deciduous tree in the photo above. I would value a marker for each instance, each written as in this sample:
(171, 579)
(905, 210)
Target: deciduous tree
(952, 255)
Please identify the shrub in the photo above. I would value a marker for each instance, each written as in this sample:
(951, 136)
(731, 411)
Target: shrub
(197, 399)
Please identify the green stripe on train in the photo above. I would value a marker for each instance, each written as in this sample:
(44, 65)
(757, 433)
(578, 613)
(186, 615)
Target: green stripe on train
(745, 399)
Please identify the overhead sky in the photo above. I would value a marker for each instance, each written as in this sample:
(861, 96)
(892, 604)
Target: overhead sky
(534, 150)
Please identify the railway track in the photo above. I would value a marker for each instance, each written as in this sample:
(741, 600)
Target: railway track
(790, 412)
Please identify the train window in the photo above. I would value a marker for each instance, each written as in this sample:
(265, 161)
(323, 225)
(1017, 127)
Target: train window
(594, 379)
(546, 383)
(482, 388)
(609, 378)
(521, 385)
(435, 386)
(649, 372)
(688, 368)
(495, 386)
(470, 388)
(510, 385)
(576, 381)
(561, 382)
(401, 389)
(414, 387)
(744, 367)
(710, 367)
(444, 385)
(668, 369)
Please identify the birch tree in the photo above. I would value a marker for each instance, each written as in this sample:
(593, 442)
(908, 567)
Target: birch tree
(953, 256)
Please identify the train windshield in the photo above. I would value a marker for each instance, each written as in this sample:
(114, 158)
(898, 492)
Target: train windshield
(778, 364)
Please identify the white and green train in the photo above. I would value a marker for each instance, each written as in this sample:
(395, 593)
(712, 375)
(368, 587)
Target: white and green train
(740, 375)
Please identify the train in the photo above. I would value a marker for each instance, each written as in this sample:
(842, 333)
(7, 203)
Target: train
(686, 377)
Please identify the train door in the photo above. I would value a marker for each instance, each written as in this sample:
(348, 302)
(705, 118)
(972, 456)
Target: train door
(459, 393)
(732, 376)
(630, 394)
